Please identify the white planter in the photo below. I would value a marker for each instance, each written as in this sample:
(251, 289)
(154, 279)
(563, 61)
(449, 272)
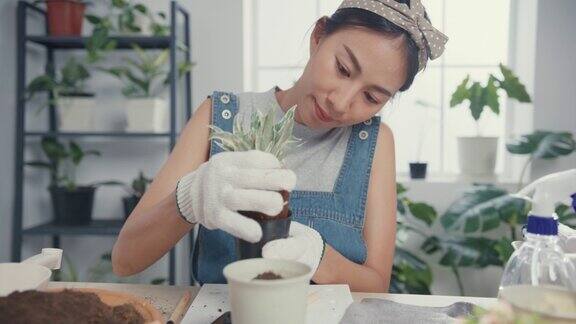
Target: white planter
(76, 114)
(477, 155)
(147, 115)
(279, 301)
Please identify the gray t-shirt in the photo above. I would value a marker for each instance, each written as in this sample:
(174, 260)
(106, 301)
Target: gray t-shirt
(318, 159)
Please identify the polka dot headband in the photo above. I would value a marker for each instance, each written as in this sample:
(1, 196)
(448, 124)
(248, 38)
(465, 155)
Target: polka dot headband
(429, 40)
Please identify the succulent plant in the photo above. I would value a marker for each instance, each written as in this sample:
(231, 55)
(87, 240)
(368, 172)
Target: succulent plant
(262, 134)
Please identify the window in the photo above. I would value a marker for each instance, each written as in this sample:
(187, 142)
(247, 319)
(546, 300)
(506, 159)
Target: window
(478, 32)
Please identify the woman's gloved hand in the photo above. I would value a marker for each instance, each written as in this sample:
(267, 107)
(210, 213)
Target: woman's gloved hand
(304, 244)
(231, 181)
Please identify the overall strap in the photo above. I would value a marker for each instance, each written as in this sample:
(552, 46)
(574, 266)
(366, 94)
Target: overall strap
(354, 177)
(224, 109)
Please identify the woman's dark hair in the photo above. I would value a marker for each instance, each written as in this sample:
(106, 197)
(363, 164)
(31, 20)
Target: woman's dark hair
(355, 17)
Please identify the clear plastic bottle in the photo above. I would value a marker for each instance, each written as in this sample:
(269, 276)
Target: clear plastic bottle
(539, 262)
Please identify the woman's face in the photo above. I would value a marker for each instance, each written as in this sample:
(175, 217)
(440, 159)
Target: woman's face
(350, 76)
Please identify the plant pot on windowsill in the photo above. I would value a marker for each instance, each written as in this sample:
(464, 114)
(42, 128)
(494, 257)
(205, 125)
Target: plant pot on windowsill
(418, 170)
(477, 155)
(76, 111)
(146, 114)
(273, 228)
(72, 206)
(65, 17)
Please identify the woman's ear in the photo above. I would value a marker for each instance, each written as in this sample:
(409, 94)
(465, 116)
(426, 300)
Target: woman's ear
(318, 33)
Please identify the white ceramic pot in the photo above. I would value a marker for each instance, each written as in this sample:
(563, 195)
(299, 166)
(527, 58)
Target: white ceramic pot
(279, 301)
(477, 155)
(32, 273)
(76, 113)
(147, 115)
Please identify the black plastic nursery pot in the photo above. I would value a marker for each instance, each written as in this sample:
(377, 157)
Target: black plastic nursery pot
(418, 170)
(129, 203)
(72, 207)
(273, 228)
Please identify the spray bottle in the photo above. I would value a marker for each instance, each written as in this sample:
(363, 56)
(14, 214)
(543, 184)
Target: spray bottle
(540, 261)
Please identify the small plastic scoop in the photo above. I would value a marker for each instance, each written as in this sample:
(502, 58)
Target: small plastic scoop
(32, 273)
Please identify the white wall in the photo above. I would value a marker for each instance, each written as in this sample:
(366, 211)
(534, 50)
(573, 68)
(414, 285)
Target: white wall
(555, 70)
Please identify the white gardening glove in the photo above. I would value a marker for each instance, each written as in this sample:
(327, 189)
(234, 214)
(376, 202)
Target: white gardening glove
(304, 244)
(231, 181)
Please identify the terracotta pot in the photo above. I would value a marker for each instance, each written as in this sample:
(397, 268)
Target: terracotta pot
(65, 17)
(273, 228)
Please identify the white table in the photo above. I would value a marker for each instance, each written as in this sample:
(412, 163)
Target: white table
(165, 298)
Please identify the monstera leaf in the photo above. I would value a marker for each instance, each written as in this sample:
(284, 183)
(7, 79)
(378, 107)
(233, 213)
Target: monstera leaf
(476, 252)
(410, 274)
(483, 208)
(566, 215)
(543, 144)
(420, 210)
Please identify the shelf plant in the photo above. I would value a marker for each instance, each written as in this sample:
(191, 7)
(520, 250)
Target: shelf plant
(130, 17)
(144, 79)
(262, 133)
(72, 203)
(478, 153)
(66, 90)
(135, 190)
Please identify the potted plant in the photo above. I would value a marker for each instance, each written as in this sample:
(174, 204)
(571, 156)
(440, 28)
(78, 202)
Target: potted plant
(418, 167)
(144, 80)
(541, 145)
(264, 135)
(478, 153)
(75, 106)
(65, 17)
(136, 190)
(72, 203)
(128, 17)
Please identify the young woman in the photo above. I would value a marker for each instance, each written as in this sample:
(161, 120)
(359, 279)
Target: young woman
(342, 179)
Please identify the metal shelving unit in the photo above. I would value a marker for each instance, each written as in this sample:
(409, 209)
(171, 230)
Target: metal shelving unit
(52, 45)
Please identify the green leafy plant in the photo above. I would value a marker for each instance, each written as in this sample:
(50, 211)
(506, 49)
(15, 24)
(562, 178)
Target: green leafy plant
(541, 145)
(70, 80)
(147, 76)
(500, 313)
(138, 185)
(99, 44)
(481, 96)
(481, 209)
(262, 134)
(63, 162)
(410, 273)
(123, 17)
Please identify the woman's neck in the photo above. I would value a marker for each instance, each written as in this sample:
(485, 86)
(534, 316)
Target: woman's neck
(287, 99)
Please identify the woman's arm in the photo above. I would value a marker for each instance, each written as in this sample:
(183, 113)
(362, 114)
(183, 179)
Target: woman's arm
(155, 225)
(379, 229)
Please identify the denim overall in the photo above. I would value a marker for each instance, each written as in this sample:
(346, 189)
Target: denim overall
(337, 215)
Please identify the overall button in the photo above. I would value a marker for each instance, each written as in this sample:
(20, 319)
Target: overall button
(226, 114)
(225, 99)
(363, 135)
(368, 122)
